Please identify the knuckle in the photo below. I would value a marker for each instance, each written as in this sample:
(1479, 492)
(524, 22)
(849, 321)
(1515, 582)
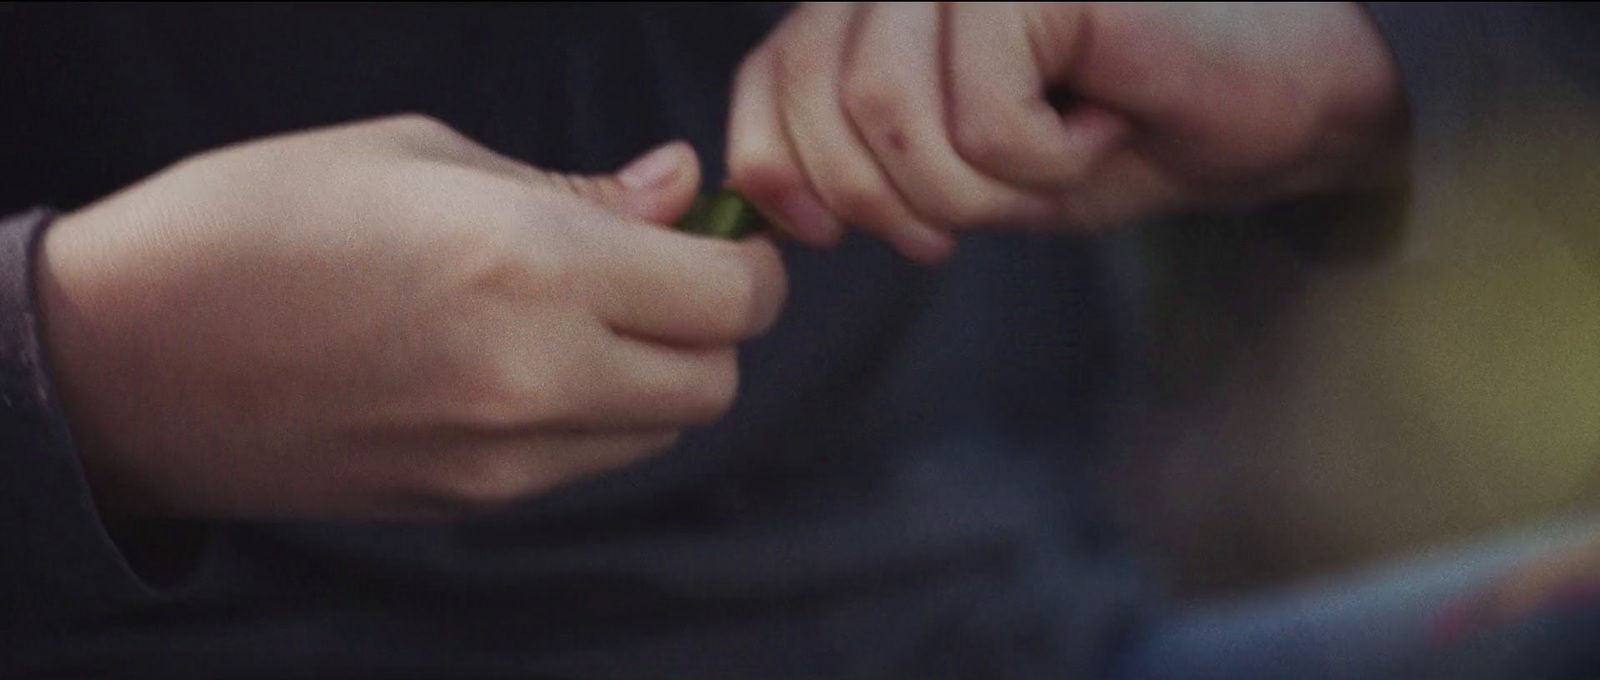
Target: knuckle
(854, 197)
(508, 390)
(419, 124)
(516, 263)
(761, 173)
(792, 64)
(875, 101)
(967, 208)
(425, 130)
(983, 141)
(501, 264)
(502, 396)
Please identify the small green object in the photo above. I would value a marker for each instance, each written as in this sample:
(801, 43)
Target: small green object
(724, 214)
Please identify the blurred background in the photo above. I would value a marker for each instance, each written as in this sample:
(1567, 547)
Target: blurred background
(1313, 408)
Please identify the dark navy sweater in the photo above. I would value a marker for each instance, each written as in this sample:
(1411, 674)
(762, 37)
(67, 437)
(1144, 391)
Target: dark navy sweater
(906, 487)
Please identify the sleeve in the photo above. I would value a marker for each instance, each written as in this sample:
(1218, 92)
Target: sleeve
(58, 559)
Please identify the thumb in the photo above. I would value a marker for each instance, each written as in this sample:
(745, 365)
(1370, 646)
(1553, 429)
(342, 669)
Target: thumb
(656, 187)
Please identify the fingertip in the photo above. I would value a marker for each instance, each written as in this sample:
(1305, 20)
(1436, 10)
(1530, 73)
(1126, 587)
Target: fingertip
(771, 289)
(807, 220)
(660, 185)
(921, 243)
(673, 163)
(691, 160)
(780, 193)
(690, 177)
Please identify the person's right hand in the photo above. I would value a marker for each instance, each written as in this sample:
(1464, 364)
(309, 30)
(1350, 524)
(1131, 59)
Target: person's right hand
(385, 319)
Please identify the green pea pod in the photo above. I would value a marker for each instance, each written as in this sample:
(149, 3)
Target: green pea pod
(723, 214)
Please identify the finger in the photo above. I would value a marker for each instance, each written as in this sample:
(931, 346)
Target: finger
(1125, 187)
(894, 95)
(839, 167)
(657, 187)
(999, 116)
(680, 289)
(641, 385)
(761, 164)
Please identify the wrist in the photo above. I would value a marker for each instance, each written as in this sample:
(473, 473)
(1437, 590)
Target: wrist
(64, 282)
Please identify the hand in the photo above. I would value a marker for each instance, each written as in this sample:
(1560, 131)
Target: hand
(386, 319)
(913, 120)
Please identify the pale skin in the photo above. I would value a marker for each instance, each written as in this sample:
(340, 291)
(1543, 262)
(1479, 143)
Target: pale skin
(385, 319)
(915, 121)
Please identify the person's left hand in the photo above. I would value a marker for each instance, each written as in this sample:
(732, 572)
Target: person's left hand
(912, 121)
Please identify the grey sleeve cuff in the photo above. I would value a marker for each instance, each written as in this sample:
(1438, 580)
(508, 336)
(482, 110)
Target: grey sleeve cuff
(58, 561)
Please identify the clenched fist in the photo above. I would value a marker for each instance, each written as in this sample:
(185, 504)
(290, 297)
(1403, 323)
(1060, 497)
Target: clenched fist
(914, 121)
(385, 319)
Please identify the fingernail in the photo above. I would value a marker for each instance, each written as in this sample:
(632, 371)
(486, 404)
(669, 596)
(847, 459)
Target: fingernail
(651, 170)
(810, 221)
